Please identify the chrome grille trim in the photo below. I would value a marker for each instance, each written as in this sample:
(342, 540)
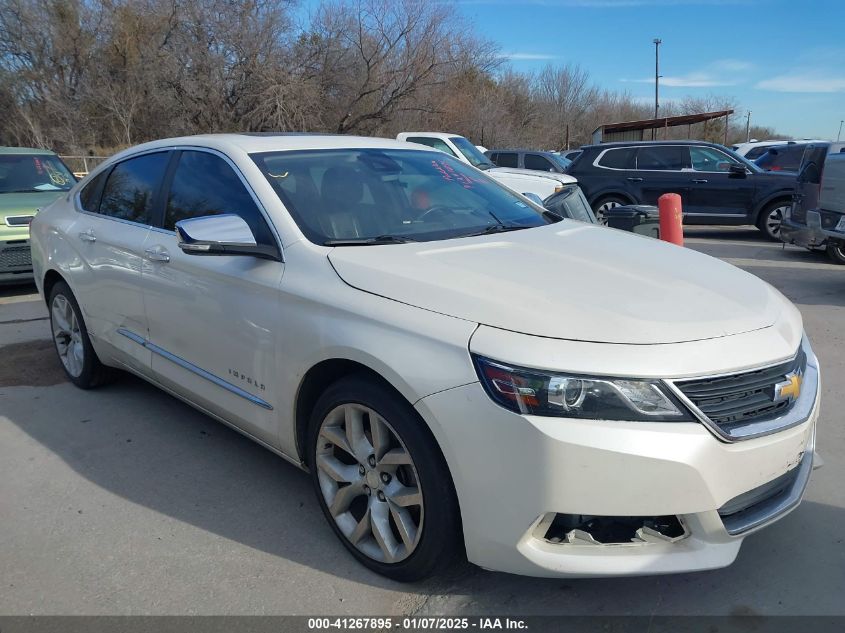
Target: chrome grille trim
(794, 415)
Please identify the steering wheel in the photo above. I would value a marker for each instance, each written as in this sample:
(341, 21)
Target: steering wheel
(437, 208)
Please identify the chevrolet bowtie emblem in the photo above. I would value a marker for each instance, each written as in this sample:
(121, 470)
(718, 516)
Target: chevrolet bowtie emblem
(789, 389)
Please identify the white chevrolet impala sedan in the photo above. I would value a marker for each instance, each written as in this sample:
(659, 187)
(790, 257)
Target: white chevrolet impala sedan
(460, 371)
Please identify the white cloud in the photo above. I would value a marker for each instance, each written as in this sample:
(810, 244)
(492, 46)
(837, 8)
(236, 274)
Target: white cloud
(803, 82)
(722, 72)
(527, 56)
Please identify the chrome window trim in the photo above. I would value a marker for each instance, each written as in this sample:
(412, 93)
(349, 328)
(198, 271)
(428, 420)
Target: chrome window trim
(106, 164)
(797, 415)
(172, 148)
(730, 158)
(199, 371)
(244, 181)
(649, 171)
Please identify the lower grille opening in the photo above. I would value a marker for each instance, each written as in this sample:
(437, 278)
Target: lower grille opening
(609, 530)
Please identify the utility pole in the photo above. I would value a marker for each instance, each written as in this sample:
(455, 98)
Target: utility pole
(748, 127)
(838, 136)
(657, 43)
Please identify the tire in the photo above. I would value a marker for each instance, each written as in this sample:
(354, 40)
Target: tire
(381, 499)
(771, 218)
(603, 204)
(71, 341)
(836, 252)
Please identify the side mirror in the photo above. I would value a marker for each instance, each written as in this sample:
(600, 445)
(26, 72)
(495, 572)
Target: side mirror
(738, 170)
(225, 234)
(533, 197)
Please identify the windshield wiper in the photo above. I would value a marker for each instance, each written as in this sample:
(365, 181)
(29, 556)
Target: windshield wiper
(497, 228)
(368, 241)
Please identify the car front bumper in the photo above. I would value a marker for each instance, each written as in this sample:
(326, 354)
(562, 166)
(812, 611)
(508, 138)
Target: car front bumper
(15, 261)
(514, 473)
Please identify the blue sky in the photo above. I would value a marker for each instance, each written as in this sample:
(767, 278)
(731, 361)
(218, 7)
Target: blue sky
(782, 59)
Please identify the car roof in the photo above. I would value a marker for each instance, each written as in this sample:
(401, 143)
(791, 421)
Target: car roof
(440, 135)
(25, 151)
(251, 142)
(524, 151)
(650, 143)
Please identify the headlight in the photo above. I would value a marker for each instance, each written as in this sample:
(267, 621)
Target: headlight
(538, 392)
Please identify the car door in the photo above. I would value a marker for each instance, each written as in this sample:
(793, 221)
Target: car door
(111, 232)
(660, 169)
(714, 191)
(213, 319)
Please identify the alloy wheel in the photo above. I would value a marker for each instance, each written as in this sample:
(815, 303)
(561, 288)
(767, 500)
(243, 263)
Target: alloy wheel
(67, 335)
(369, 483)
(774, 220)
(601, 212)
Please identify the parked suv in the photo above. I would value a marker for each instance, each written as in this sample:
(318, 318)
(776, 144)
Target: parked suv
(529, 159)
(29, 179)
(815, 219)
(458, 369)
(716, 185)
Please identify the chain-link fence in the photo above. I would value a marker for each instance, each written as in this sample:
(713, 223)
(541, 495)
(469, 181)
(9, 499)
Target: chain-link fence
(81, 165)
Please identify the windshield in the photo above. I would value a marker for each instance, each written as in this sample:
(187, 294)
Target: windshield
(560, 161)
(28, 173)
(570, 202)
(384, 196)
(471, 153)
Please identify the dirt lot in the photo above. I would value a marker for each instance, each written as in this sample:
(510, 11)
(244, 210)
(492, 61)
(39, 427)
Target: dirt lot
(125, 501)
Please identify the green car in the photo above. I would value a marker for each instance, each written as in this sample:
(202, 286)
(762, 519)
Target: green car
(29, 180)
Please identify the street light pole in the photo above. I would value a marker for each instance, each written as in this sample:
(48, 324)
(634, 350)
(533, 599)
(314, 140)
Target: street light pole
(748, 127)
(838, 136)
(657, 43)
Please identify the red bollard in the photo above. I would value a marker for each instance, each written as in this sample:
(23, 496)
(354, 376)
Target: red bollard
(671, 218)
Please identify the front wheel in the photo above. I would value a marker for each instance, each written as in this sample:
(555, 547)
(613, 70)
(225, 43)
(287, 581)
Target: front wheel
(836, 252)
(603, 205)
(771, 219)
(381, 480)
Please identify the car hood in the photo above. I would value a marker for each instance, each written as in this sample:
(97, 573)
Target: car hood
(549, 175)
(26, 203)
(569, 280)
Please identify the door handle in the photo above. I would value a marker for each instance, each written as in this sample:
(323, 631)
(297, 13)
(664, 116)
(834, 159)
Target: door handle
(700, 181)
(88, 236)
(157, 254)
(632, 179)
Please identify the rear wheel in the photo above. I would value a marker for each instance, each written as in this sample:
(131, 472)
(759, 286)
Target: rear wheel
(603, 205)
(381, 481)
(771, 219)
(71, 340)
(836, 252)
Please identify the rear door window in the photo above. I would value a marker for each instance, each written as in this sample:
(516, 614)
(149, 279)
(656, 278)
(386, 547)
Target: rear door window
(663, 158)
(89, 197)
(622, 158)
(132, 187)
(507, 159)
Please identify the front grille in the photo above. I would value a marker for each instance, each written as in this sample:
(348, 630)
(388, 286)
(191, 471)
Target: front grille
(735, 400)
(15, 257)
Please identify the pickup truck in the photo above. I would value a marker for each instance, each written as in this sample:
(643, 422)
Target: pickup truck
(522, 181)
